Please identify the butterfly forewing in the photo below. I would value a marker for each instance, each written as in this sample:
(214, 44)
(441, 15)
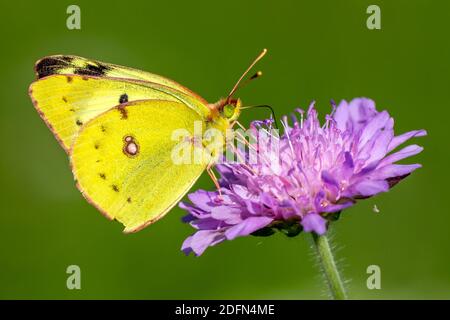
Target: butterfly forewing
(68, 64)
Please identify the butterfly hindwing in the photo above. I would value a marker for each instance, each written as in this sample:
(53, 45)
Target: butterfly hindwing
(122, 160)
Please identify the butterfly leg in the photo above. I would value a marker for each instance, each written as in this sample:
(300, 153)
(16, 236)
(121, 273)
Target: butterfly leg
(214, 179)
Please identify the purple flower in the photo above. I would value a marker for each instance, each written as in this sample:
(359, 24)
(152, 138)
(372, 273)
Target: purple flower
(318, 171)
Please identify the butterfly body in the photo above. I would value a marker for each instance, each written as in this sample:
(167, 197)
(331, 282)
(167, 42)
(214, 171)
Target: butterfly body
(117, 124)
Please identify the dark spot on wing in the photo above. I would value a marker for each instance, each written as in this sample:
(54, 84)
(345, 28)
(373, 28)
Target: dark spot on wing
(96, 146)
(129, 200)
(48, 62)
(123, 111)
(102, 175)
(69, 79)
(123, 98)
(96, 70)
(64, 99)
(79, 122)
(102, 127)
(115, 188)
(51, 65)
(72, 110)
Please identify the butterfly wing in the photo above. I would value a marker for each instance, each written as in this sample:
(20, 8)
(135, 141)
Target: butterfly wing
(122, 160)
(67, 101)
(68, 64)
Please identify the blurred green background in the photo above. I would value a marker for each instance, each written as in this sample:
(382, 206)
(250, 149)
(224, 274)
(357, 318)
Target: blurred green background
(318, 50)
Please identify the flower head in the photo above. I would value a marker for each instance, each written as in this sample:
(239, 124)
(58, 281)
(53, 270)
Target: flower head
(318, 171)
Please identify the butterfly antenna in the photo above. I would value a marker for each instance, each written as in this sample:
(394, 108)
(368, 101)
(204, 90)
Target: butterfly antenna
(256, 75)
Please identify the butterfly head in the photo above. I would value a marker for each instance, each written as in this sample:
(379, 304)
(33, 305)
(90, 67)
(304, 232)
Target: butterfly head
(231, 109)
(225, 111)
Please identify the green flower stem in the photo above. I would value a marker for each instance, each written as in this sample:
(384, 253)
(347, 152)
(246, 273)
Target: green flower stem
(329, 267)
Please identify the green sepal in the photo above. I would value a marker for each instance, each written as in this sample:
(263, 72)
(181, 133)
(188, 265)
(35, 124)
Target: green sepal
(289, 228)
(264, 232)
(334, 216)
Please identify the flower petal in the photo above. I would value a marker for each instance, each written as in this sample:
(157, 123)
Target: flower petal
(193, 210)
(394, 170)
(188, 218)
(186, 246)
(338, 207)
(354, 115)
(402, 154)
(328, 178)
(228, 214)
(207, 224)
(379, 148)
(367, 187)
(202, 239)
(381, 121)
(396, 141)
(314, 222)
(246, 227)
(203, 199)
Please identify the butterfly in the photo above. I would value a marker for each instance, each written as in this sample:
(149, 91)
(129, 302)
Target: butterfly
(116, 125)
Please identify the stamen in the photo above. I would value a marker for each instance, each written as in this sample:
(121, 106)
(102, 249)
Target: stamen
(301, 112)
(333, 107)
(287, 135)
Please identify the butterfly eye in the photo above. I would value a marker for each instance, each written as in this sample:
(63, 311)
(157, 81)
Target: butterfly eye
(228, 110)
